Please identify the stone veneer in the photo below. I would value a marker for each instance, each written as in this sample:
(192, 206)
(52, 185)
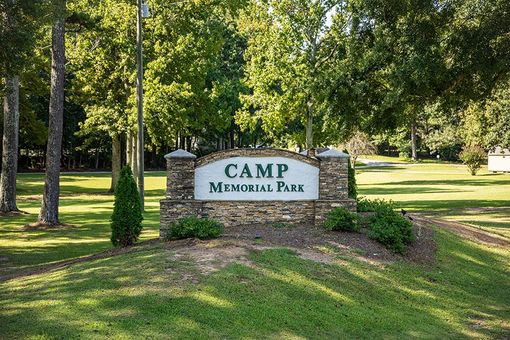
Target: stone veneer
(180, 202)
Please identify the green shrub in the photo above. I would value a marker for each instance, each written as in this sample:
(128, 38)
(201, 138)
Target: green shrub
(367, 205)
(392, 230)
(201, 228)
(126, 220)
(351, 179)
(387, 226)
(341, 219)
(473, 156)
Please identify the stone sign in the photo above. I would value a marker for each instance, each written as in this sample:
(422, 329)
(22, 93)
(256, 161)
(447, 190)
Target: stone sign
(257, 179)
(255, 186)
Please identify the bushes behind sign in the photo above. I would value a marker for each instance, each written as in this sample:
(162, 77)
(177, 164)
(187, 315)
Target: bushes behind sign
(201, 228)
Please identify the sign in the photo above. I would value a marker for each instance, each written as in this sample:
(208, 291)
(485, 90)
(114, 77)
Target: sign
(257, 179)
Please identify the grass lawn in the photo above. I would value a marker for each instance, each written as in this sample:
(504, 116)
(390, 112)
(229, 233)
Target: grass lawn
(279, 295)
(446, 190)
(85, 204)
(465, 294)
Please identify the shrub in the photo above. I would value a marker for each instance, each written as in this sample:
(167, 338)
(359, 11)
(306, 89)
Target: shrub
(351, 179)
(126, 220)
(392, 230)
(473, 156)
(367, 205)
(341, 219)
(201, 228)
(387, 226)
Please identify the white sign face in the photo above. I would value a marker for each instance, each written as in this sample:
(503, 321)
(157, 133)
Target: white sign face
(257, 179)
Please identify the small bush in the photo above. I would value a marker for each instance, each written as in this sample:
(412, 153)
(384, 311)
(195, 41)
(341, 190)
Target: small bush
(366, 205)
(387, 226)
(201, 228)
(341, 219)
(126, 220)
(392, 230)
(473, 157)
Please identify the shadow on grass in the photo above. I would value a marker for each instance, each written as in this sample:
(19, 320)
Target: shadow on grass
(281, 295)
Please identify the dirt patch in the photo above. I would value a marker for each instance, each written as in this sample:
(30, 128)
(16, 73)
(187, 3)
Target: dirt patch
(206, 257)
(423, 250)
(13, 213)
(43, 226)
(463, 230)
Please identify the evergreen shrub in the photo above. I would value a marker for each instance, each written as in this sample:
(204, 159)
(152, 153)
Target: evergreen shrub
(351, 179)
(126, 220)
(201, 228)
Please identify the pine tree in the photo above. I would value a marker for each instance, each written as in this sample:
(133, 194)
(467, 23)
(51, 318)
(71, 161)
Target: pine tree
(127, 216)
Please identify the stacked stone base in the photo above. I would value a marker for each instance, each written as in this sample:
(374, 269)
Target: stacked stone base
(234, 213)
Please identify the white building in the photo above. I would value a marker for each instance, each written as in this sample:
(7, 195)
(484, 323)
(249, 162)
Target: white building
(499, 160)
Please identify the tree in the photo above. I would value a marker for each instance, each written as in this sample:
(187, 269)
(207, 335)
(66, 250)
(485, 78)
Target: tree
(102, 60)
(473, 156)
(10, 147)
(127, 211)
(49, 209)
(359, 144)
(292, 45)
(191, 87)
(16, 38)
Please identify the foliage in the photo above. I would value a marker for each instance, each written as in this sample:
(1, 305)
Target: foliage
(387, 226)
(473, 156)
(292, 46)
(341, 219)
(351, 181)
(126, 220)
(18, 32)
(372, 205)
(392, 230)
(201, 228)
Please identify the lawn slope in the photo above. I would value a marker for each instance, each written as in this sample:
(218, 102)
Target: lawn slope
(142, 294)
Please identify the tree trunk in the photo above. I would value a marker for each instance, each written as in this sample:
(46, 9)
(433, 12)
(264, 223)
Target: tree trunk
(97, 159)
(309, 126)
(49, 208)
(414, 154)
(10, 147)
(116, 161)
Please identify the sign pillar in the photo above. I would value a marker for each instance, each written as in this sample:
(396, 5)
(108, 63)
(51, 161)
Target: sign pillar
(333, 184)
(180, 178)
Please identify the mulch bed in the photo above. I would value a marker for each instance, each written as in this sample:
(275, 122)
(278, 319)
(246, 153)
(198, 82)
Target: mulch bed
(304, 236)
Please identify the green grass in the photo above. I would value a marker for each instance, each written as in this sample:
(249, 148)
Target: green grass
(446, 190)
(279, 296)
(85, 204)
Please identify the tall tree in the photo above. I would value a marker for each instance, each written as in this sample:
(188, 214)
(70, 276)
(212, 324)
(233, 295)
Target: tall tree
(16, 36)
(10, 146)
(49, 209)
(101, 58)
(291, 48)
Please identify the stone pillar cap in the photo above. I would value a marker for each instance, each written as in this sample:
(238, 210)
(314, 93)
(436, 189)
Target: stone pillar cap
(332, 153)
(180, 153)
